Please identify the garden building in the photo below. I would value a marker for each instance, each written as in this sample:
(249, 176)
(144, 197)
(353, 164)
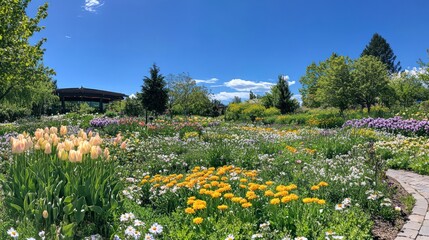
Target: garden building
(93, 97)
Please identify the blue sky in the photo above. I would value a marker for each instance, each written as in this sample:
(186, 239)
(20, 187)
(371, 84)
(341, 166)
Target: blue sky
(229, 46)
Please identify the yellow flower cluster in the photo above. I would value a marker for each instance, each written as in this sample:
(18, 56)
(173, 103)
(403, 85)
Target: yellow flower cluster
(314, 200)
(270, 130)
(226, 188)
(291, 149)
(321, 184)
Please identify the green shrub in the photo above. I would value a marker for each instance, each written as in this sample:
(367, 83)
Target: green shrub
(272, 111)
(11, 113)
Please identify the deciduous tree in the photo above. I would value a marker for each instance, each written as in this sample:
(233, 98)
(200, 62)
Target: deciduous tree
(370, 80)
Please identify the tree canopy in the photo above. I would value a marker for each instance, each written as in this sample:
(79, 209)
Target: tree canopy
(186, 97)
(154, 91)
(378, 47)
(282, 97)
(370, 80)
(335, 87)
(24, 80)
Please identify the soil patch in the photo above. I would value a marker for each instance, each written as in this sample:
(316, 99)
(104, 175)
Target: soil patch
(386, 230)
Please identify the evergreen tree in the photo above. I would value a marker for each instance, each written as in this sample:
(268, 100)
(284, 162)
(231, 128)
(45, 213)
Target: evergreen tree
(378, 47)
(424, 71)
(154, 91)
(282, 96)
(252, 95)
(236, 99)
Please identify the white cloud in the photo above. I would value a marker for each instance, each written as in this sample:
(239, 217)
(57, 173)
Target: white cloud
(286, 78)
(209, 81)
(92, 5)
(228, 96)
(132, 96)
(246, 85)
(67, 36)
(298, 97)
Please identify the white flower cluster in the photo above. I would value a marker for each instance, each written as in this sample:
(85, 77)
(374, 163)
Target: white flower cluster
(344, 204)
(132, 230)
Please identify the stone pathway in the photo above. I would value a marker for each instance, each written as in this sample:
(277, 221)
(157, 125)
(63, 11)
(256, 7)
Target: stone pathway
(417, 227)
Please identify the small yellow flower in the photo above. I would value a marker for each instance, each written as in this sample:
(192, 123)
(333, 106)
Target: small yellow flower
(246, 205)
(243, 180)
(314, 188)
(275, 201)
(222, 207)
(269, 193)
(321, 201)
(228, 195)
(269, 183)
(198, 220)
(215, 183)
(189, 210)
(216, 194)
(323, 184)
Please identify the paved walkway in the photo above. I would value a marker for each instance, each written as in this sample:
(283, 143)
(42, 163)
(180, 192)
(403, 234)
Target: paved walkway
(417, 227)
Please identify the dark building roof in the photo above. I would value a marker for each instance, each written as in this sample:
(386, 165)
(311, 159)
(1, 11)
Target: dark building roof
(88, 94)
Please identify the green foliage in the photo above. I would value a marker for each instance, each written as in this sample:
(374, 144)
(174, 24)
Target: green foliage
(335, 88)
(309, 83)
(117, 107)
(134, 107)
(247, 110)
(12, 112)
(378, 47)
(282, 97)
(186, 98)
(408, 89)
(272, 111)
(252, 95)
(370, 80)
(424, 74)
(24, 81)
(84, 108)
(256, 110)
(154, 92)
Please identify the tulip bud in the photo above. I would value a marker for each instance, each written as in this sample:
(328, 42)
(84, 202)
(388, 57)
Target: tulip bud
(48, 149)
(53, 130)
(95, 152)
(45, 214)
(106, 153)
(78, 156)
(63, 130)
(29, 144)
(63, 155)
(124, 145)
(72, 156)
(38, 134)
